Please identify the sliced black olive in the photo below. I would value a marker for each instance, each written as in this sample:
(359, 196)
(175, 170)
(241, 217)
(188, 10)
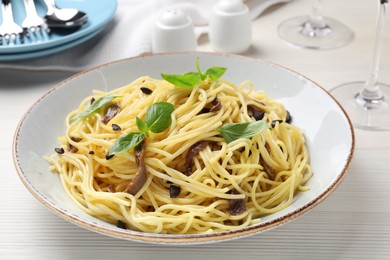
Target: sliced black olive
(273, 123)
(288, 117)
(116, 127)
(257, 113)
(76, 139)
(59, 150)
(91, 152)
(174, 191)
(109, 156)
(146, 90)
(120, 224)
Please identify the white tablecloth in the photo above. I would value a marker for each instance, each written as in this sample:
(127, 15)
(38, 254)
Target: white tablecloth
(353, 223)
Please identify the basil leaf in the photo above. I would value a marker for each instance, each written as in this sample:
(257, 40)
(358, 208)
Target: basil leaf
(126, 142)
(215, 72)
(232, 132)
(200, 73)
(158, 116)
(142, 126)
(94, 107)
(189, 79)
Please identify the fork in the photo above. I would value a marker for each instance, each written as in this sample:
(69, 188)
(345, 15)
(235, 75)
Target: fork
(35, 27)
(9, 30)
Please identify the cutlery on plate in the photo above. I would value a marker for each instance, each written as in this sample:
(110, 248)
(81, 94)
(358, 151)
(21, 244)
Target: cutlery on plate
(35, 27)
(63, 17)
(10, 32)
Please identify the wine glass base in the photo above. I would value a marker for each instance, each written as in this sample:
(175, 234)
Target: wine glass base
(364, 114)
(298, 31)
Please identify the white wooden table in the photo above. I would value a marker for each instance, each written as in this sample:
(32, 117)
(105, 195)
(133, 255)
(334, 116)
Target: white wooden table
(353, 223)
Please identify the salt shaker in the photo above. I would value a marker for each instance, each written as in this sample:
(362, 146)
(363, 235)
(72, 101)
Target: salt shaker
(173, 31)
(230, 26)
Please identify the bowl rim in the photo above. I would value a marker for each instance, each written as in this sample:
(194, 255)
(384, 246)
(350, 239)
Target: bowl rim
(173, 239)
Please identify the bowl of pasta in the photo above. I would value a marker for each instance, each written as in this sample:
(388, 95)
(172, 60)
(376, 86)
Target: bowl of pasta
(184, 147)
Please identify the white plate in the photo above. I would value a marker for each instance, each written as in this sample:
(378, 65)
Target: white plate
(328, 131)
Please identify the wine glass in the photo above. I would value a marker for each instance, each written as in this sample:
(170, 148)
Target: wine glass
(315, 31)
(367, 102)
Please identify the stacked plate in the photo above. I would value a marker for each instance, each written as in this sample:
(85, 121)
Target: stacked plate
(99, 14)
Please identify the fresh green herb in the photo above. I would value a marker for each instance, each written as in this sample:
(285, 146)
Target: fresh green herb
(158, 116)
(215, 72)
(232, 132)
(94, 107)
(157, 119)
(126, 142)
(142, 126)
(190, 79)
(186, 80)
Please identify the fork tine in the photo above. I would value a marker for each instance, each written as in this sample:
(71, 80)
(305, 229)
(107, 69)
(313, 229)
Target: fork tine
(10, 31)
(21, 37)
(7, 39)
(33, 24)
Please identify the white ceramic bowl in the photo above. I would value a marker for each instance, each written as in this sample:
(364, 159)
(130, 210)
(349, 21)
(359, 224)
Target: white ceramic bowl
(329, 134)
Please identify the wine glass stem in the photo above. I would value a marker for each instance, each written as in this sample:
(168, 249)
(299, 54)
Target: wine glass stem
(315, 26)
(371, 91)
(316, 18)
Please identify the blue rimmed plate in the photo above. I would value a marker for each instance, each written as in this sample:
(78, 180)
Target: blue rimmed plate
(48, 51)
(99, 12)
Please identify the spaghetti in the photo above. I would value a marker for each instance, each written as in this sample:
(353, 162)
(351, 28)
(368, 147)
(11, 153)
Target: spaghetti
(196, 181)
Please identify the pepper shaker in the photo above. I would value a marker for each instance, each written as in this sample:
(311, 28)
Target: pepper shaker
(173, 31)
(230, 26)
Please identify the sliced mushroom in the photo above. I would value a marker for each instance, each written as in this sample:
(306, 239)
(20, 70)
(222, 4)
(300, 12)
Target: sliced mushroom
(236, 206)
(112, 111)
(72, 148)
(140, 178)
(267, 169)
(192, 152)
(213, 106)
(111, 188)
